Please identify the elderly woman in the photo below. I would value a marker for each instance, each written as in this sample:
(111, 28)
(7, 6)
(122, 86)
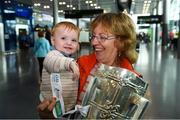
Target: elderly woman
(114, 43)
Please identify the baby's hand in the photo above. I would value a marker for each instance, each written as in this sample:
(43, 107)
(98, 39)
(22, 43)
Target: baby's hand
(75, 69)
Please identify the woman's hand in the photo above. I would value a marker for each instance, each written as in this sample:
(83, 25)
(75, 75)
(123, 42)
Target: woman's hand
(45, 108)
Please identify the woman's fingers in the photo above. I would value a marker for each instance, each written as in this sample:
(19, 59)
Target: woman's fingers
(46, 114)
(45, 108)
(43, 105)
(52, 104)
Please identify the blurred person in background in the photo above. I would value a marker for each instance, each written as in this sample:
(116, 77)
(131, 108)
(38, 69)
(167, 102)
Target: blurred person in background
(24, 40)
(41, 49)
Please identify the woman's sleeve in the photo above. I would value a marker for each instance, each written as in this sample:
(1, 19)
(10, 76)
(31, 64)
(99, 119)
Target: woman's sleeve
(55, 62)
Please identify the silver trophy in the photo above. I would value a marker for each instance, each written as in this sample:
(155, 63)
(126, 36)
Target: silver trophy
(115, 93)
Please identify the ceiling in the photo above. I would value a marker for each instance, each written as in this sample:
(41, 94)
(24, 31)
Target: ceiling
(135, 6)
(139, 6)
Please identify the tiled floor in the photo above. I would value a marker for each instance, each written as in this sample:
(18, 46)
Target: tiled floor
(19, 83)
(160, 67)
(18, 86)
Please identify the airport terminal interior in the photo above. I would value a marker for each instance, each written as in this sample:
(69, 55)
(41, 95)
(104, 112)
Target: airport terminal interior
(158, 50)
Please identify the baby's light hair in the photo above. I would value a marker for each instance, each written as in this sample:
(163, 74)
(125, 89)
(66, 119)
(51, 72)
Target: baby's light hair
(68, 25)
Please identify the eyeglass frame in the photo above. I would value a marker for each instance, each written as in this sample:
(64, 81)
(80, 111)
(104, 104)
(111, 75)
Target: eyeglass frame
(103, 38)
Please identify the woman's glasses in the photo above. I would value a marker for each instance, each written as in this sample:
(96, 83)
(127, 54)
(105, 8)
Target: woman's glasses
(102, 38)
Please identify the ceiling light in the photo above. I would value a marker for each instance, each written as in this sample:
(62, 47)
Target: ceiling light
(123, 0)
(46, 6)
(37, 4)
(60, 11)
(97, 7)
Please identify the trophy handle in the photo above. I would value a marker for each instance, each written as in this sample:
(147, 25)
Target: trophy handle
(139, 105)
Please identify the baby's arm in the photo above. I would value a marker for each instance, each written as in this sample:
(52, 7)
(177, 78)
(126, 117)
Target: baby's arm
(55, 62)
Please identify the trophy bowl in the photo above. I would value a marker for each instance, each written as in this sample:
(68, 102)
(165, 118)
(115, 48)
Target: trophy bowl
(115, 93)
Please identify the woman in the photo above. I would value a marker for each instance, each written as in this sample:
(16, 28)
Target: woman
(114, 42)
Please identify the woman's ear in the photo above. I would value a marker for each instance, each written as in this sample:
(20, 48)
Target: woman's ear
(118, 45)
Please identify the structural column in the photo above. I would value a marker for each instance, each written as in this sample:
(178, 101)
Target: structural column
(164, 25)
(55, 11)
(178, 52)
(156, 29)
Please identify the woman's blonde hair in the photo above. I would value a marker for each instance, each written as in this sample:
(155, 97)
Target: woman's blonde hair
(122, 26)
(68, 25)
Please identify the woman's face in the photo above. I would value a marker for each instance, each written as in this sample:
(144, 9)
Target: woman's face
(65, 40)
(104, 46)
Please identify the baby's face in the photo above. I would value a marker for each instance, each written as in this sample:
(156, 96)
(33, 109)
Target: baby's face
(65, 40)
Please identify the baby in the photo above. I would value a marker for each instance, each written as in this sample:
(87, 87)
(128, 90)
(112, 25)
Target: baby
(62, 69)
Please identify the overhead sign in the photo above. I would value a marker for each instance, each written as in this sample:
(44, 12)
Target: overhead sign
(152, 19)
(24, 12)
(82, 13)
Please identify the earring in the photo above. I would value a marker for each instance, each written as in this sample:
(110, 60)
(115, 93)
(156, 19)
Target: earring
(119, 54)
